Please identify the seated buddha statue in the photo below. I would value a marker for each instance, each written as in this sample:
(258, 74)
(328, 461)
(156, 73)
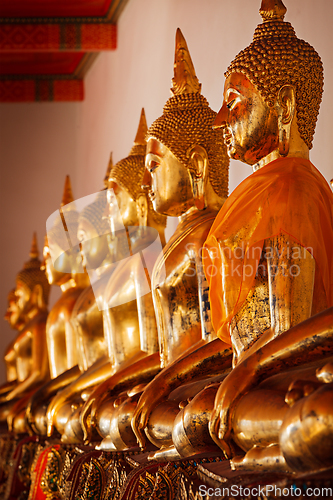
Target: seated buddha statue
(60, 336)
(76, 327)
(268, 262)
(292, 222)
(32, 368)
(128, 338)
(87, 316)
(188, 164)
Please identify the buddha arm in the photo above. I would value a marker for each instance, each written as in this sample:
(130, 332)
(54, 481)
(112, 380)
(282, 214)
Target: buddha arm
(209, 360)
(291, 276)
(39, 364)
(48, 390)
(10, 360)
(72, 358)
(95, 375)
(8, 386)
(141, 370)
(291, 270)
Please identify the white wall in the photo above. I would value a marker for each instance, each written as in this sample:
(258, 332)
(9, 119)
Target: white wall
(40, 143)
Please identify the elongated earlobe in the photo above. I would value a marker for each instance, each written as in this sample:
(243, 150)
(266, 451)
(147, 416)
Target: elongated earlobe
(37, 296)
(286, 109)
(142, 210)
(283, 142)
(198, 168)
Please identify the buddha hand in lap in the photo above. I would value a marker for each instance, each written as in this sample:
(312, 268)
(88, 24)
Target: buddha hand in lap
(189, 179)
(276, 229)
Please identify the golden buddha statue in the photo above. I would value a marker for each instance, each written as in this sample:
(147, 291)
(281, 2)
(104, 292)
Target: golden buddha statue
(268, 262)
(292, 227)
(87, 316)
(60, 335)
(32, 368)
(296, 214)
(128, 339)
(188, 164)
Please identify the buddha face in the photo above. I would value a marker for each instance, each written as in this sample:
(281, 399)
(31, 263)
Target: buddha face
(23, 302)
(170, 186)
(126, 205)
(250, 126)
(12, 313)
(94, 246)
(53, 276)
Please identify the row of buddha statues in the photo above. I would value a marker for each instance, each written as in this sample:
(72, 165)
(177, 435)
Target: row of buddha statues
(225, 344)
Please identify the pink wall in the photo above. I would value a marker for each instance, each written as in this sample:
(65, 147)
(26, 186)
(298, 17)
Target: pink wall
(40, 143)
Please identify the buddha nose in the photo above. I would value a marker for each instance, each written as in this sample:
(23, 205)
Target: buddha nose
(221, 118)
(146, 181)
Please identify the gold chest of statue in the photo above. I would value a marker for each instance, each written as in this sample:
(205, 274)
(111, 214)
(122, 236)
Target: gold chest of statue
(180, 290)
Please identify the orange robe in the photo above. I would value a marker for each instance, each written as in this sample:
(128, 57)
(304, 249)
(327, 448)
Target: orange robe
(289, 195)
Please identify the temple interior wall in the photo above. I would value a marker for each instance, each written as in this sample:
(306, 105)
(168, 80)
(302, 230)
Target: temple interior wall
(42, 142)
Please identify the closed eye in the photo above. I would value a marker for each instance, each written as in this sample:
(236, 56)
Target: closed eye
(234, 97)
(231, 104)
(153, 165)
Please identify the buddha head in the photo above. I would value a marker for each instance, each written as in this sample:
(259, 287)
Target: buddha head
(184, 153)
(58, 270)
(92, 232)
(272, 92)
(32, 288)
(125, 186)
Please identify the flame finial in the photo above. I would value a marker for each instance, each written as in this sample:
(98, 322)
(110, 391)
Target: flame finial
(139, 145)
(34, 253)
(67, 196)
(108, 170)
(140, 138)
(185, 80)
(272, 9)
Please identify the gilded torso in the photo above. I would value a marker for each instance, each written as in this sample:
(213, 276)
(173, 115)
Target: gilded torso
(180, 289)
(128, 315)
(59, 333)
(87, 321)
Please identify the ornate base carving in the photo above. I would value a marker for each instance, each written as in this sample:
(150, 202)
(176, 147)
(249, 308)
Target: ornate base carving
(67, 472)
(16, 466)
